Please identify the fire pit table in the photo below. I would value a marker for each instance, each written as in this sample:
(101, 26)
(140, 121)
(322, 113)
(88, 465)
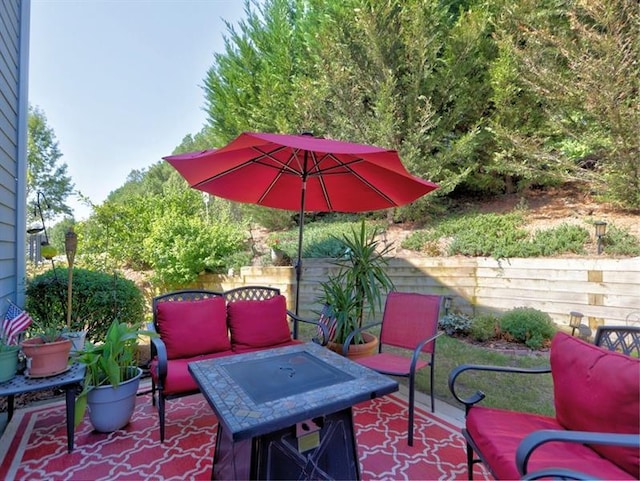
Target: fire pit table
(286, 413)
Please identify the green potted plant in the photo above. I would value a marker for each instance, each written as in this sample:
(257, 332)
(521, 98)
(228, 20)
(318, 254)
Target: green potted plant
(46, 350)
(359, 287)
(112, 378)
(8, 359)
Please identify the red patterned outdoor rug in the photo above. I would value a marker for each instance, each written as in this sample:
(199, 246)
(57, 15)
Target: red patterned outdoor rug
(34, 445)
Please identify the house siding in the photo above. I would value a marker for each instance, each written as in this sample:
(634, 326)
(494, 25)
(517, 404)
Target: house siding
(14, 46)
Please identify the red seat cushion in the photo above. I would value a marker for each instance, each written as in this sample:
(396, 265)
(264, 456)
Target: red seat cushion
(392, 364)
(192, 328)
(241, 349)
(256, 324)
(179, 379)
(497, 434)
(597, 390)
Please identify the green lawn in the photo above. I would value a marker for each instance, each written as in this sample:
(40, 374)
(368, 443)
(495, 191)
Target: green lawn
(520, 392)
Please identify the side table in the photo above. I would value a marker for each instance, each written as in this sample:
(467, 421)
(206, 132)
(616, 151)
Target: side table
(69, 381)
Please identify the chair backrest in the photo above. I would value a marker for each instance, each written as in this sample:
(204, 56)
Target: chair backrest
(179, 296)
(250, 293)
(624, 339)
(409, 318)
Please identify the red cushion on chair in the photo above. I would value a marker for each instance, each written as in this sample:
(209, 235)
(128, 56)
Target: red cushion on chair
(255, 324)
(391, 364)
(497, 433)
(192, 328)
(179, 379)
(597, 390)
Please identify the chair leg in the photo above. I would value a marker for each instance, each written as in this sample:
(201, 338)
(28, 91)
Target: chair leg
(433, 405)
(161, 415)
(153, 392)
(470, 462)
(411, 405)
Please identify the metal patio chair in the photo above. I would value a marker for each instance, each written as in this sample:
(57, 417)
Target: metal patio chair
(410, 323)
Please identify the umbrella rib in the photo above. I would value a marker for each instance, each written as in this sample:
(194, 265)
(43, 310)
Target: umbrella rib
(258, 159)
(347, 165)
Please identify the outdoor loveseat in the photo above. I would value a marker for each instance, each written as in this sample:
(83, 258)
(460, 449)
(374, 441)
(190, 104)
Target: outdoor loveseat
(595, 433)
(193, 325)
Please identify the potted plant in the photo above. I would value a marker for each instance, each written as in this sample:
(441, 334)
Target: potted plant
(46, 350)
(8, 360)
(358, 288)
(112, 378)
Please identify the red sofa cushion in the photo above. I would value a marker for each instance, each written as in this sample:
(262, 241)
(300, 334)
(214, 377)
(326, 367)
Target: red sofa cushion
(497, 434)
(179, 379)
(597, 390)
(192, 328)
(256, 324)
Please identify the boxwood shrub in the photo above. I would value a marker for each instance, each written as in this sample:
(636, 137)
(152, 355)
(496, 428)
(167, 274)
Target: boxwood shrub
(97, 299)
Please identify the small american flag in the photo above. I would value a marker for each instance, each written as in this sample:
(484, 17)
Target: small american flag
(15, 321)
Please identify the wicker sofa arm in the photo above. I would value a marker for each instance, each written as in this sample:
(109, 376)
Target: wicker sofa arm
(531, 442)
(479, 395)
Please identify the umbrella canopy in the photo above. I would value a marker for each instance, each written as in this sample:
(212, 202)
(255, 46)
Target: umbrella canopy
(302, 173)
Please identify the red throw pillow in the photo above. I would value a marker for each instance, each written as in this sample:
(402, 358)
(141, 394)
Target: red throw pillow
(597, 390)
(192, 328)
(256, 324)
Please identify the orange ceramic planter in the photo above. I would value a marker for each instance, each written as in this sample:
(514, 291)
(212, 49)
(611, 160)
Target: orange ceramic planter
(357, 351)
(46, 359)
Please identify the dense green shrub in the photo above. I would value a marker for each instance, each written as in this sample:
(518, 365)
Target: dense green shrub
(97, 299)
(454, 323)
(558, 240)
(620, 242)
(484, 327)
(527, 325)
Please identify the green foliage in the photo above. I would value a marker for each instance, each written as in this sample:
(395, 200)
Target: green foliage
(619, 241)
(320, 239)
(455, 323)
(559, 240)
(45, 172)
(484, 327)
(504, 235)
(361, 282)
(529, 326)
(97, 299)
(109, 362)
(181, 248)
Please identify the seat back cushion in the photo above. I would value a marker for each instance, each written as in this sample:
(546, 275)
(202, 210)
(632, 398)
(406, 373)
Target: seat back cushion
(597, 390)
(256, 324)
(193, 328)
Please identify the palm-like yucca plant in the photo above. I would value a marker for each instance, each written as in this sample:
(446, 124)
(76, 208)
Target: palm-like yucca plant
(361, 283)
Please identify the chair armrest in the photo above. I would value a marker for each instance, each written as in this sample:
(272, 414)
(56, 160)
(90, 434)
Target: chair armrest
(296, 319)
(352, 334)
(159, 350)
(479, 395)
(418, 349)
(532, 441)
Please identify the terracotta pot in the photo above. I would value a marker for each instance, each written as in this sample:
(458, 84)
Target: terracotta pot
(357, 351)
(46, 359)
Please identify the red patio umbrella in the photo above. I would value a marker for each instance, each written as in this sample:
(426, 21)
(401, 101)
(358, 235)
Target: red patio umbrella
(302, 173)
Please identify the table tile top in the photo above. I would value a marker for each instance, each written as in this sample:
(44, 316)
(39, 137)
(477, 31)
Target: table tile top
(284, 386)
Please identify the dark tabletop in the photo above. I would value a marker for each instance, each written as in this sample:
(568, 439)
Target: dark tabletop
(260, 392)
(21, 384)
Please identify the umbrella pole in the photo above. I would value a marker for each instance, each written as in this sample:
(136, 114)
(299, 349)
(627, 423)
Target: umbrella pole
(299, 261)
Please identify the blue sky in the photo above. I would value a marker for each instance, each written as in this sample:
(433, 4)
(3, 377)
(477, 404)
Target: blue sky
(120, 81)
